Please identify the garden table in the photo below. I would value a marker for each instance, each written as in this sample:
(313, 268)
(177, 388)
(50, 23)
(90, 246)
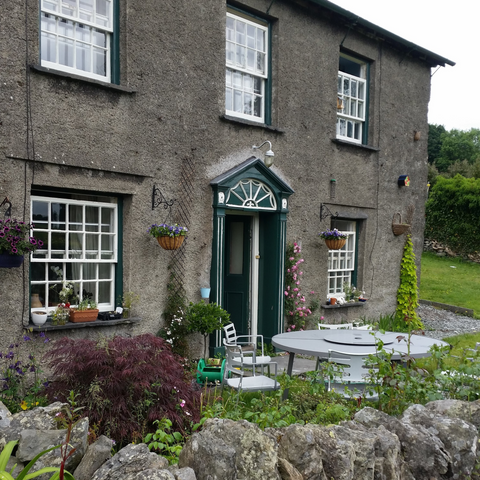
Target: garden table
(317, 343)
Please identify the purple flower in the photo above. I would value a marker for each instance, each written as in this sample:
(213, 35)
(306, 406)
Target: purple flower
(26, 338)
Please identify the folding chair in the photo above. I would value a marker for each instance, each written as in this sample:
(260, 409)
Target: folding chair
(241, 379)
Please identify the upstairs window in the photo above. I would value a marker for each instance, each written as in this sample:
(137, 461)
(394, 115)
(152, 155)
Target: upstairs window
(76, 37)
(352, 100)
(246, 68)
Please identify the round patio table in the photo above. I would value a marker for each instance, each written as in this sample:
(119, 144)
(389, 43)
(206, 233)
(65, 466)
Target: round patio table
(318, 342)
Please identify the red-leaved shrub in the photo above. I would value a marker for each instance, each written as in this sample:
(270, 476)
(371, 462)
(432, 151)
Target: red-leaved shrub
(124, 384)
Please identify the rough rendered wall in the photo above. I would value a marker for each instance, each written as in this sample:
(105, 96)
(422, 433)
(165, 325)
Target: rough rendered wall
(106, 140)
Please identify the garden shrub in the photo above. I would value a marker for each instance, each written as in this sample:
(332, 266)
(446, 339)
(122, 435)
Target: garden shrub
(453, 214)
(124, 384)
(407, 293)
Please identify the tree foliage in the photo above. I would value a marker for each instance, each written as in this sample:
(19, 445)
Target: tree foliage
(453, 213)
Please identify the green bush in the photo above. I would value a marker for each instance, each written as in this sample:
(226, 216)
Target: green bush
(453, 213)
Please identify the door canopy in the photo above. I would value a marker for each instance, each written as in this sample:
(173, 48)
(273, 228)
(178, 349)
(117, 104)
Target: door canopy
(251, 186)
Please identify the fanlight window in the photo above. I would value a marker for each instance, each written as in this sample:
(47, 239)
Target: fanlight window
(251, 194)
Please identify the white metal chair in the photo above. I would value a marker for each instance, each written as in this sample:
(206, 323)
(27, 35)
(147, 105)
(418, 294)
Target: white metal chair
(352, 379)
(335, 326)
(241, 379)
(249, 344)
(332, 326)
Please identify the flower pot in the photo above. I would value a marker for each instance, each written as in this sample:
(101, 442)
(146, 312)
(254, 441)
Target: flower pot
(170, 243)
(205, 293)
(39, 317)
(333, 301)
(10, 261)
(335, 244)
(77, 316)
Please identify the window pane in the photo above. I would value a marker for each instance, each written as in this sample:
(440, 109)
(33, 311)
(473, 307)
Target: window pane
(240, 37)
(69, 7)
(65, 52)
(237, 101)
(261, 40)
(107, 220)
(58, 244)
(37, 271)
(104, 292)
(89, 290)
(99, 62)
(86, 10)
(251, 36)
(230, 32)
(247, 104)
(228, 99)
(230, 53)
(89, 271)
(105, 271)
(261, 63)
(91, 219)
(236, 249)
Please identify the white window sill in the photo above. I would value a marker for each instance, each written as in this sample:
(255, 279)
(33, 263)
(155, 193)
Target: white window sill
(340, 141)
(345, 305)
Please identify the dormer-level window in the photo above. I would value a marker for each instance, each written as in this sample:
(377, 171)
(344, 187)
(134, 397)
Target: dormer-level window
(352, 100)
(246, 67)
(76, 37)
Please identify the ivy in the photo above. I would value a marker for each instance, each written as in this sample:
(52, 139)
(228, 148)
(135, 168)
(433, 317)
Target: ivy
(407, 293)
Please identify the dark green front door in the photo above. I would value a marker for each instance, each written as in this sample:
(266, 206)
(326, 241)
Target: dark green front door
(237, 271)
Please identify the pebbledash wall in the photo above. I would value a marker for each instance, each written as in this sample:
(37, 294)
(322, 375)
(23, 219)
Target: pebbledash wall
(159, 118)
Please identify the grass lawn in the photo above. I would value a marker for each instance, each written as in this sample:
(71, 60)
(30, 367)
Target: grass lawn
(459, 286)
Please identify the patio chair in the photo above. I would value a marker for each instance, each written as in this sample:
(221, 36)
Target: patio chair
(237, 377)
(352, 378)
(251, 360)
(331, 326)
(249, 344)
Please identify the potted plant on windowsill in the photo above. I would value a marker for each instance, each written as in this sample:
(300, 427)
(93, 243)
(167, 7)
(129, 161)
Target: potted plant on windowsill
(169, 237)
(86, 311)
(15, 242)
(334, 239)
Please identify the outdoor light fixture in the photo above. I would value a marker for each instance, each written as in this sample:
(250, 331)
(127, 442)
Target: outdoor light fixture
(268, 154)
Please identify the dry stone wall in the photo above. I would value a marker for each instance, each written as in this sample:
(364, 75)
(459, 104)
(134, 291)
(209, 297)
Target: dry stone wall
(437, 441)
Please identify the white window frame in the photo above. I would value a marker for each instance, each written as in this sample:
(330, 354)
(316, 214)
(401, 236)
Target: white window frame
(81, 259)
(65, 22)
(240, 76)
(341, 263)
(352, 104)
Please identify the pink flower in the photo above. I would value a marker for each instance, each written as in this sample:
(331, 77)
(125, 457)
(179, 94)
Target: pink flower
(293, 326)
(312, 292)
(301, 273)
(297, 282)
(301, 314)
(290, 313)
(288, 330)
(182, 403)
(322, 318)
(291, 258)
(286, 293)
(295, 289)
(288, 287)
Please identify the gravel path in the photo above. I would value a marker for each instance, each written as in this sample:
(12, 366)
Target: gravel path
(442, 323)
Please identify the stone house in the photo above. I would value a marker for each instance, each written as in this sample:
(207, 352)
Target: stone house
(119, 115)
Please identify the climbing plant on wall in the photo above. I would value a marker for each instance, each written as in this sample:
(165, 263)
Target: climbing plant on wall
(407, 293)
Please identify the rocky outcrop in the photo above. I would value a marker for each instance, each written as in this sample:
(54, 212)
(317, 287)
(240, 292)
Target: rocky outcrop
(438, 441)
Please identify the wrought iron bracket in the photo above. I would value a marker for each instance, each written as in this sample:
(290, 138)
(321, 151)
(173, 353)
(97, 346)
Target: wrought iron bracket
(325, 212)
(8, 211)
(159, 199)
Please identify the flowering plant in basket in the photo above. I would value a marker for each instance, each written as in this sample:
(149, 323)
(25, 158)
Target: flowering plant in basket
(333, 235)
(165, 230)
(15, 238)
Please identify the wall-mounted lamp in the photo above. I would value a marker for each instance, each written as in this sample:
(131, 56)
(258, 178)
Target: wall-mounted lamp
(268, 154)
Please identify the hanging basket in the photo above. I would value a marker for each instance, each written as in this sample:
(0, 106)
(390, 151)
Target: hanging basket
(170, 243)
(398, 227)
(10, 261)
(335, 244)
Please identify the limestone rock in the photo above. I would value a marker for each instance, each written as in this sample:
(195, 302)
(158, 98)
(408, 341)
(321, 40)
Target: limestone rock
(129, 462)
(96, 455)
(238, 450)
(185, 473)
(32, 442)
